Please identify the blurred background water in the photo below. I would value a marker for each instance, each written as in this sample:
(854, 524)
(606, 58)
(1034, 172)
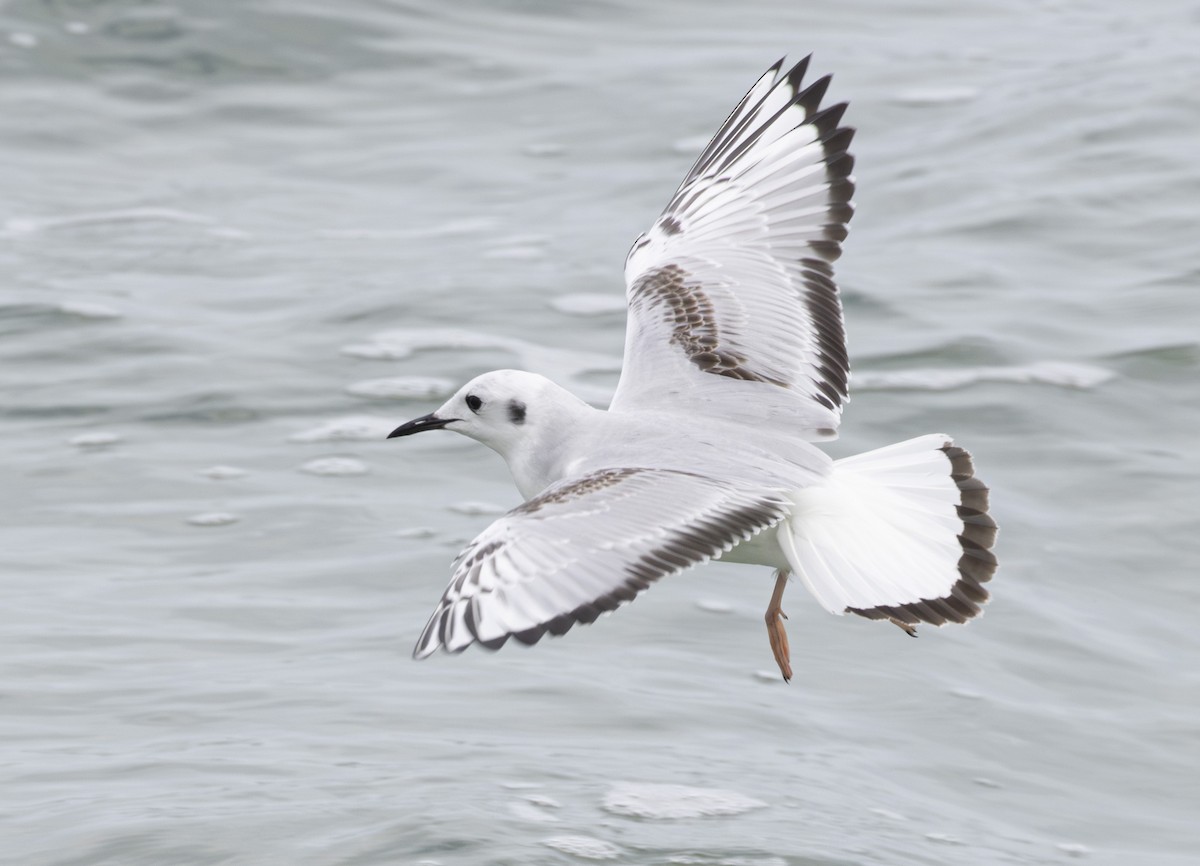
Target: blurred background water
(240, 241)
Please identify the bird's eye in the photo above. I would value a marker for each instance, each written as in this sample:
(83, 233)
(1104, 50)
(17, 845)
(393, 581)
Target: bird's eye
(473, 402)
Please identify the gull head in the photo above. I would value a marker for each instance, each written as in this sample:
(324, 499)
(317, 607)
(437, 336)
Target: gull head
(507, 410)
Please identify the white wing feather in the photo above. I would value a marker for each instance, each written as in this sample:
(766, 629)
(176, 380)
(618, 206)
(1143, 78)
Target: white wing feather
(732, 307)
(588, 545)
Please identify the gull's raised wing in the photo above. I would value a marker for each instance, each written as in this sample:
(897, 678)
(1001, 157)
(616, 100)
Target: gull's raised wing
(588, 545)
(732, 306)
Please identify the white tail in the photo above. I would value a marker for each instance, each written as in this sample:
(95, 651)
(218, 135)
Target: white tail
(899, 533)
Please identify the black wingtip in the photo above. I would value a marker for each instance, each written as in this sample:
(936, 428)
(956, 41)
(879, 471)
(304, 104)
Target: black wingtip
(812, 95)
(795, 75)
(827, 119)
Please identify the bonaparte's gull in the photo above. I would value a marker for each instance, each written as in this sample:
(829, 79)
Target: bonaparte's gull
(735, 363)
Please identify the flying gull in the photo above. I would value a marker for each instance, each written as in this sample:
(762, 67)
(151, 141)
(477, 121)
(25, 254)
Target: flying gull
(735, 364)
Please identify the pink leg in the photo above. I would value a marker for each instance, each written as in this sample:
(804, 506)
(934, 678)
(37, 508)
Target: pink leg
(775, 631)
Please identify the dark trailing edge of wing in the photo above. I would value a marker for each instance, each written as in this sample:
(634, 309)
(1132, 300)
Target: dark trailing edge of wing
(687, 545)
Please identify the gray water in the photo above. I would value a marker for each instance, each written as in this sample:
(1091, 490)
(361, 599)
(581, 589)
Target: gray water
(240, 241)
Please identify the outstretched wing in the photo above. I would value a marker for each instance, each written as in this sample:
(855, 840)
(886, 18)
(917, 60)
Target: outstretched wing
(732, 306)
(585, 546)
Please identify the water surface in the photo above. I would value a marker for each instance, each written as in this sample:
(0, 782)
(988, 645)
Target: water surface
(241, 241)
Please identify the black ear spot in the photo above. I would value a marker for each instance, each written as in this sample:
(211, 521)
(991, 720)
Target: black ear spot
(516, 411)
(473, 402)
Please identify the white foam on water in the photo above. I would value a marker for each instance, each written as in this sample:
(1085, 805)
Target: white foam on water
(94, 439)
(228, 233)
(516, 252)
(477, 508)
(398, 344)
(377, 351)
(403, 388)
(666, 802)
(936, 95)
(447, 229)
(213, 518)
(544, 148)
(364, 234)
(526, 247)
(33, 225)
(944, 839)
(351, 428)
(224, 473)
(415, 532)
(706, 860)
(335, 466)
(1073, 849)
(529, 812)
(589, 304)
(88, 310)
(586, 847)
(23, 40)
(565, 366)
(1061, 373)
(714, 606)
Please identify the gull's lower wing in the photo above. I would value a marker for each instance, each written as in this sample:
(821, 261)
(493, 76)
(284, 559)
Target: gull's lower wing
(732, 306)
(585, 546)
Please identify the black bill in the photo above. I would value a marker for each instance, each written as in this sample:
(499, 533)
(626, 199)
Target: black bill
(420, 425)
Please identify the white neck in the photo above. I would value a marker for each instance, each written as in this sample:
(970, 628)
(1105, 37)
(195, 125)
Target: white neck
(545, 449)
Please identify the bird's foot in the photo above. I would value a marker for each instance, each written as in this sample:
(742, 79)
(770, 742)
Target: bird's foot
(909, 628)
(779, 640)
